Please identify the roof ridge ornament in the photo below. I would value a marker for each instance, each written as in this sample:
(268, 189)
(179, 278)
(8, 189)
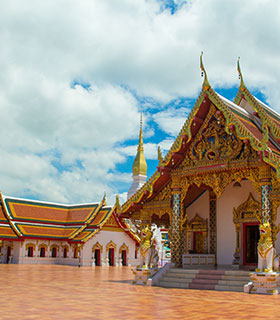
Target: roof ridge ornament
(104, 199)
(206, 84)
(160, 157)
(117, 204)
(242, 84)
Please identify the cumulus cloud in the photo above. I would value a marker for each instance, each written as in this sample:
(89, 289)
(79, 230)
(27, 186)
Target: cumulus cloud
(61, 142)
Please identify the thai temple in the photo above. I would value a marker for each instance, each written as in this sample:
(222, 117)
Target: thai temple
(34, 232)
(219, 179)
(210, 191)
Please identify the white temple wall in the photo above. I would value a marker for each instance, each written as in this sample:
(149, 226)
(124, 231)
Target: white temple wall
(16, 251)
(201, 207)
(231, 198)
(105, 237)
(20, 256)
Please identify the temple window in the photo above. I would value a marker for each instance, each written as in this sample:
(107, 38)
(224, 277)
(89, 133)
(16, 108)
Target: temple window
(42, 252)
(30, 251)
(75, 253)
(65, 253)
(54, 252)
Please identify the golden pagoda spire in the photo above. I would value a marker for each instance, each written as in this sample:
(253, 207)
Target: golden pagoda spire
(206, 84)
(242, 85)
(140, 165)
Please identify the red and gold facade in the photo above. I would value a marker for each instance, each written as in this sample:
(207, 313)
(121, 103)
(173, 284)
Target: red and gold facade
(222, 145)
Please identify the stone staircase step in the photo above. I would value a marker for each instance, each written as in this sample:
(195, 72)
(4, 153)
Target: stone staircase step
(232, 283)
(178, 276)
(208, 276)
(166, 284)
(229, 288)
(199, 286)
(183, 280)
(205, 279)
(238, 278)
(183, 271)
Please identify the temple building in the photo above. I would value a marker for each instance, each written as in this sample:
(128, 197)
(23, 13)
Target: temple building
(219, 179)
(33, 232)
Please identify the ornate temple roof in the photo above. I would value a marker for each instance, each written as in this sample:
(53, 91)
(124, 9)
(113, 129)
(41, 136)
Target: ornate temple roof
(21, 219)
(248, 117)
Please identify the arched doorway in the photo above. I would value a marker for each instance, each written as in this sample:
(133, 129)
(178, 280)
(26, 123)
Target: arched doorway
(111, 249)
(246, 219)
(8, 254)
(111, 256)
(42, 250)
(97, 257)
(124, 258)
(123, 254)
(97, 250)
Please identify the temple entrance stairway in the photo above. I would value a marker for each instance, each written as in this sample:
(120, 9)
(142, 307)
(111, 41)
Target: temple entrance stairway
(205, 279)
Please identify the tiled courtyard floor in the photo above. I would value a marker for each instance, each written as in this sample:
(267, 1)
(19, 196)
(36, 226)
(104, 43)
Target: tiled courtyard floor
(63, 292)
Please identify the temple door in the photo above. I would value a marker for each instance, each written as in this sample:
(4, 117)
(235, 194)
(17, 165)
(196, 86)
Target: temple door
(197, 242)
(42, 252)
(111, 257)
(250, 243)
(8, 254)
(124, 258)
(97, 257)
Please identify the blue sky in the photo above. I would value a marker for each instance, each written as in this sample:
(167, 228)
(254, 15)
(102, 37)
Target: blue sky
(73, 84)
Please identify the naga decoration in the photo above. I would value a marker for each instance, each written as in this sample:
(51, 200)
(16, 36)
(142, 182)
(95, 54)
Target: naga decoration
(149, 247)
(268, 260)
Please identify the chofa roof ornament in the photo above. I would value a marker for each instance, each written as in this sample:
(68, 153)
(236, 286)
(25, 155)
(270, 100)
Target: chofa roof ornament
(242, 85)
(206, 84)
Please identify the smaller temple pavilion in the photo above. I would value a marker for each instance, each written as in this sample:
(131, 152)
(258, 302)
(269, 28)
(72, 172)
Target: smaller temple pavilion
(49, 233)
(219, 179)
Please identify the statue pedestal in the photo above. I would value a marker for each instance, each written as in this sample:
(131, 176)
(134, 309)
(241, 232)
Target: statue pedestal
(142, 275)
(263, 283)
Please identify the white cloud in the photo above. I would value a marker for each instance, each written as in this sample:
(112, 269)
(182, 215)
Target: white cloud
(112, 45)
(171, 120)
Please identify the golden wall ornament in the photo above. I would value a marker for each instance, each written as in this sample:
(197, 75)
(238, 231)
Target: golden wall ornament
(213, 143)
(111, 245)
(219, 180)
(164, 194)
(198, 225)
(123, 247)
(96, 246)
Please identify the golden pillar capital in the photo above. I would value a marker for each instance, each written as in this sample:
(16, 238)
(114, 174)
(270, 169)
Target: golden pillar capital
(176, 185)
(265, 174)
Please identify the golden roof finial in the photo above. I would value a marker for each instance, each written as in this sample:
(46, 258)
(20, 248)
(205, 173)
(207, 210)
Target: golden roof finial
(206, 84)
(140, 165)
(117, 204)
(160, 157)
(104, 199)
(242, 85)
(140, 144)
